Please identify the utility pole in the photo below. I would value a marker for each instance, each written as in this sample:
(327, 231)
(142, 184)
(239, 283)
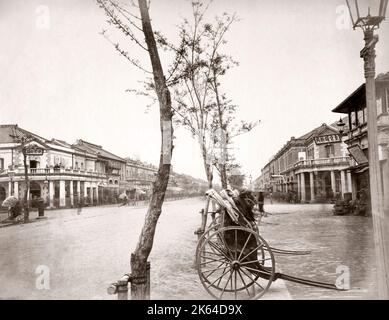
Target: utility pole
(368, 23)
(380, 221)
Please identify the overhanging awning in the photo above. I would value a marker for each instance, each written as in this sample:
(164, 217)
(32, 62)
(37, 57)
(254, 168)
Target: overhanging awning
(356, 100)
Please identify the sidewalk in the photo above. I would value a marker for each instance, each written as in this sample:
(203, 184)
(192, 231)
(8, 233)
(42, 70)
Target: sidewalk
(68, 212)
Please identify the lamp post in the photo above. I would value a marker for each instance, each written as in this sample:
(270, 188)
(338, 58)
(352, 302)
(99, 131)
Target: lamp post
(369, 21)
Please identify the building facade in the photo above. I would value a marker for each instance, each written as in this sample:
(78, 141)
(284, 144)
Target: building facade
(311, 168)
(356, 137)
(63, 174)
(66, 175)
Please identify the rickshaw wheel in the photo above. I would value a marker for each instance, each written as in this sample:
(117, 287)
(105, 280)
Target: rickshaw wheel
(234, 263)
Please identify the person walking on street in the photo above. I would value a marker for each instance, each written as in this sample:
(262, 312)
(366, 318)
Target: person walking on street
(261, 201)
(80, 204)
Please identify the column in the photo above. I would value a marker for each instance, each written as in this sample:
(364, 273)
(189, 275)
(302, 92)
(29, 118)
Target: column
(51, 194)
(62, 193)
(71, 193)
(9, 188)
(298, 187)
(349, 184)
(78, 190)
(85, 191)
(97, 194)
(312, 186)
(354, 190)
(303, 197)
(385, 174)
(333, 183)
(343, 182)
(16, 189)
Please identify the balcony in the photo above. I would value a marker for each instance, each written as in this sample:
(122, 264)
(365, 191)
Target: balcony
(356, 133)
(52, 172)
(345, 161)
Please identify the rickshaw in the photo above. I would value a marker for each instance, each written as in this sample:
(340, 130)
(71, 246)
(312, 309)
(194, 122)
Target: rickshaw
(233, 261)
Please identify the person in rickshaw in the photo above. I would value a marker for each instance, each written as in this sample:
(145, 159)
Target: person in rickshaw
(245, 202)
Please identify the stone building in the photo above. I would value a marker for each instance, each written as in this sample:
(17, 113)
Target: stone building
(312, 167)
(61, 173)
(356, 136)
(65, 175)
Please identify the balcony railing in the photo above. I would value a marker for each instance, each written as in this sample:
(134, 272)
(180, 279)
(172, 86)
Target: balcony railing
(323, 162)
(52, 171)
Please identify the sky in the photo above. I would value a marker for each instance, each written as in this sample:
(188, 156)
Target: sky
(61, 79)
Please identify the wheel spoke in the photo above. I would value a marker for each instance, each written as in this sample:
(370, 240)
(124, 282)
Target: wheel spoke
(214, 253)
(215, 246)
(206, 262)
(255, 249)
(236, 243)
(244, 247)
(253, 261)
(228, 280)
(215, 269)
(244, 283)
(218, 278)
(253, 280)
(225, 245)
(221, 278)
(256, 270)
(236, 291)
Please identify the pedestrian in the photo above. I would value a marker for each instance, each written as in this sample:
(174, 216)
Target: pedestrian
(79, 207)
(40, 204)
(271, 197)
(124, 198)
(261, 201)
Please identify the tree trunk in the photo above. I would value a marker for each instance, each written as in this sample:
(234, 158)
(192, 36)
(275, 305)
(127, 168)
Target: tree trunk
(145, 243)
(223, 139)
(26, 209)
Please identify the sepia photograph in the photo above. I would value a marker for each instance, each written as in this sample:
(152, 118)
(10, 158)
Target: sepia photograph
(194, 150)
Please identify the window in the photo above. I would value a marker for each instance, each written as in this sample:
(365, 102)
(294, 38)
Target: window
(76, 165)
(310, 153)
(330, 150)
(1, 164)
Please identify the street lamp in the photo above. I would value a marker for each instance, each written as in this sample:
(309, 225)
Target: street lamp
(372, 15)
(368, 17)
(340, 124)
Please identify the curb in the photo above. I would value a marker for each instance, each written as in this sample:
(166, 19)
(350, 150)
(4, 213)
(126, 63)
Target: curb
(5, 225)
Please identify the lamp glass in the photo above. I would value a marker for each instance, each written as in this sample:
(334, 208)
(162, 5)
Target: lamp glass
(366, 8)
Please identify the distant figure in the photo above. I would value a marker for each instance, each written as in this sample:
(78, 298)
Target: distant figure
(261, 201)
(40, 204)
(271, 197)
(79, 207)
(124, 200)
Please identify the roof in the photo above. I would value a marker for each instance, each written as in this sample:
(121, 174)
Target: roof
(317, 131)
(357, 99)
(97, 150)
(8, 132)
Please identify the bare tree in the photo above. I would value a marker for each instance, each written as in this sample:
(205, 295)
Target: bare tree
(24, 141)
(198, 103)
(123, 19)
